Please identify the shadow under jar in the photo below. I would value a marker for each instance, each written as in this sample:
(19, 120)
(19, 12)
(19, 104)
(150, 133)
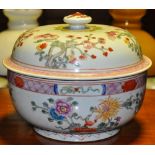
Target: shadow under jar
(77, 82)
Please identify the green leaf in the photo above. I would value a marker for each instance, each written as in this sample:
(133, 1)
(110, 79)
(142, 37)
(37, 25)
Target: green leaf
(92, 109)
(50, 119)
(33, 103)
(44, 112)
(101, 125)
(37, 53)
(45, 104)
(74, 114)
(60, 122)
(41, 58)
(74, 103)
(38, 41)
(34, 108)
(50, 100)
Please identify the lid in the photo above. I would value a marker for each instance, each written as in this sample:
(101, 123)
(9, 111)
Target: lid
(77, 50)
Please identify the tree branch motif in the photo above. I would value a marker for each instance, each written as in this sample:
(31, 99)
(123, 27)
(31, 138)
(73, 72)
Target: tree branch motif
(60, 53)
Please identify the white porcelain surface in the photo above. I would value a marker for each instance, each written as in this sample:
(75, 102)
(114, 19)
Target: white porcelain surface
(79, 107)
(92, 48)
(85, 79)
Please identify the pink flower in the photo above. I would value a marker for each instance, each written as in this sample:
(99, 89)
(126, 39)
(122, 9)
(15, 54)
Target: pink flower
(62, 107)
(88, 45)
(82, 57)
(112, 35)
(46, 36)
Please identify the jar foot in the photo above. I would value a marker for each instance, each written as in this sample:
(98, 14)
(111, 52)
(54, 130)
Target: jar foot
(76, 137)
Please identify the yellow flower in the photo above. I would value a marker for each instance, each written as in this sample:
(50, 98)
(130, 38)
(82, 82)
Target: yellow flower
(126, 40)
(107, 109)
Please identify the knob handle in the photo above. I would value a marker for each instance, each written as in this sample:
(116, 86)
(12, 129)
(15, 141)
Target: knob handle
(77, 21)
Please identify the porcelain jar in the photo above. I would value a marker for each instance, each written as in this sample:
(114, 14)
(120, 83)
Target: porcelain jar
(77, 81)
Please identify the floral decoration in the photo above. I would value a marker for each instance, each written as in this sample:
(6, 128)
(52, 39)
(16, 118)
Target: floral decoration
(24, 36)
(103, 117)
(85, 89)
(127, 38)
(129, 85)
(107, 109)
(59, 54)
(68, 50)
(19, 82)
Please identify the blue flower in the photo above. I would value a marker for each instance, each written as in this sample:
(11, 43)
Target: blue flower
(55, 116)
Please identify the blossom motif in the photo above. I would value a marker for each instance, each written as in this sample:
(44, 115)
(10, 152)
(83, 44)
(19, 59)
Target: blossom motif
(62, 107)
(82, 57)
(126, 40)
(70, 36)
(112, 35)
(19, 82)
(46, 36)
(42, 46)
(88, 45)
(24, 36)
(129, 85)
(55, 116)
(93, 56)
(107, 109)
(101, 40)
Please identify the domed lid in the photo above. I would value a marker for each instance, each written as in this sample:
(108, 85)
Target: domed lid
(77, 50)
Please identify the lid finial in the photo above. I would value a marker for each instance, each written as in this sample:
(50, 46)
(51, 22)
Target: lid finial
(77, 21)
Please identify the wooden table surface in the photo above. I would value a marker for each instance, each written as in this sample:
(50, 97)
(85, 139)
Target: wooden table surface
(14, 130)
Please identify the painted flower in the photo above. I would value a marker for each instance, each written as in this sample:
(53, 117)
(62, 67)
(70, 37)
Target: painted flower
(101, 40)
(126, 40)
(70, 36)
(105, 54)
(129, 85)
(42, 46)
(93, 56)
(46, 36)
(112, 35)
(78, 37)
(82, 57)
(110, 49)
(62, 107)
(19, 82)
(88, 45)
(107, 109)
(55, 116)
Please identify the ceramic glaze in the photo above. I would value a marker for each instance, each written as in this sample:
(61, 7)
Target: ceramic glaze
(84, 48)
(77, 82)
(79, 107)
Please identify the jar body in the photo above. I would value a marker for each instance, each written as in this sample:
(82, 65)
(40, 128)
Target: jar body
(77, 107)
